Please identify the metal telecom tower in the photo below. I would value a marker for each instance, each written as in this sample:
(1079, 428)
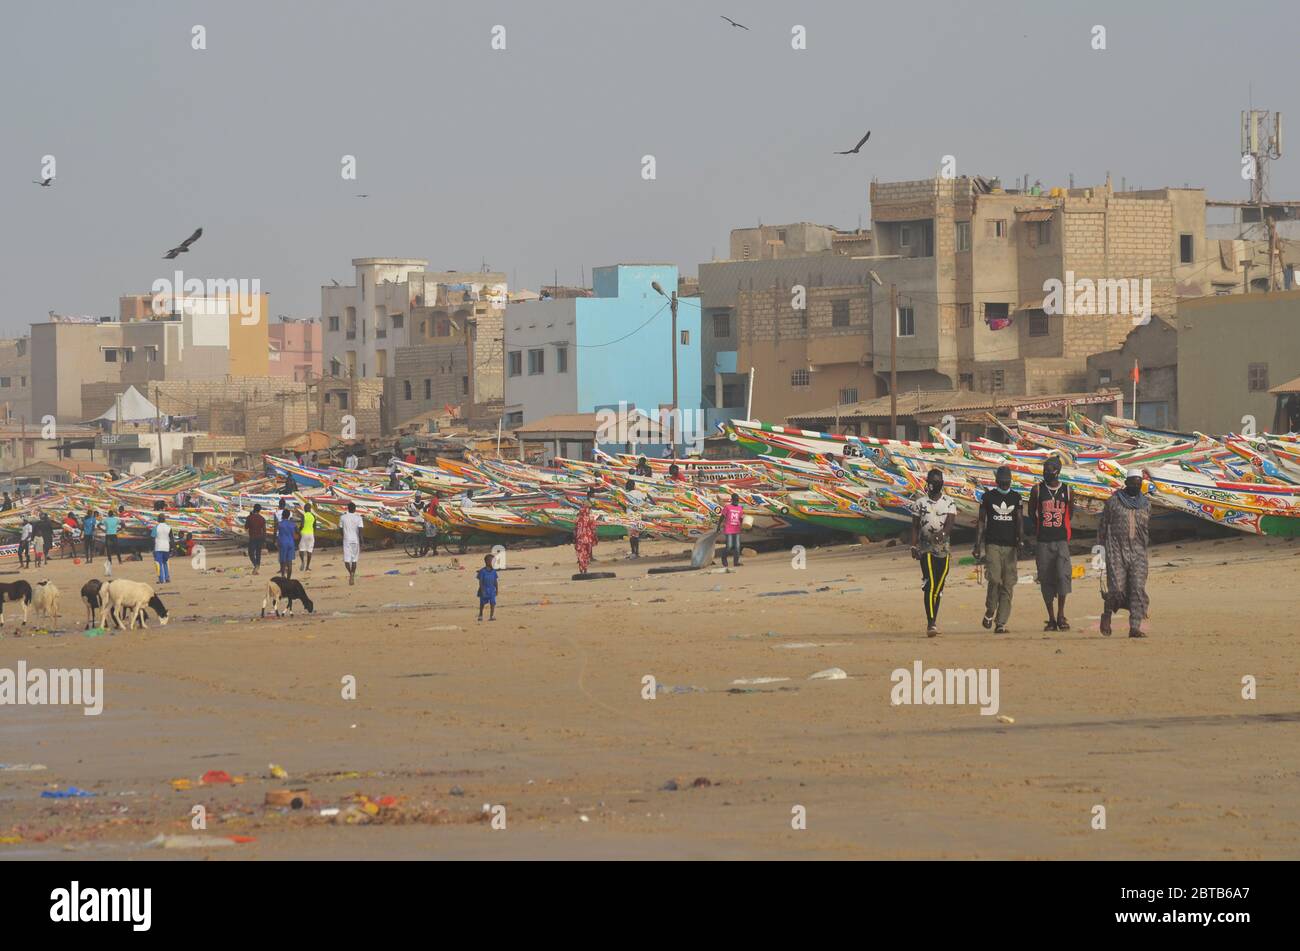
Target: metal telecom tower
(1261, 139)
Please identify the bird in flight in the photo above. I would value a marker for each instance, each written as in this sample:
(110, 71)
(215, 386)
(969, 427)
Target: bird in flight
(44, 182)
(861, 143)
(363, 196)
(734, 23)
(184, 246)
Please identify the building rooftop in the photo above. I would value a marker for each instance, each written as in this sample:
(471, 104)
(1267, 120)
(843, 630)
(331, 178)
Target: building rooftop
(932, 403)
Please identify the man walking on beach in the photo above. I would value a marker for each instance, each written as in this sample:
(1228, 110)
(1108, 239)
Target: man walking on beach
(350, 523)
(255, 524)
(1051, 507)
(162, 548)
(112, 525)
(634, 499)
(1123, 533)
(997, 539)
(933, 514)
(730, 521)
(307, 541)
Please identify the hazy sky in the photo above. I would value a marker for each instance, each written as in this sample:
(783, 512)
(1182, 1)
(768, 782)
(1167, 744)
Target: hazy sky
(530, 157)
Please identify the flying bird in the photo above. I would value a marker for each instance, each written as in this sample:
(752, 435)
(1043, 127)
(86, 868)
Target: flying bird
(184, 246)
(44, 182)
(734, 23)
(861, 143)
(363, 196)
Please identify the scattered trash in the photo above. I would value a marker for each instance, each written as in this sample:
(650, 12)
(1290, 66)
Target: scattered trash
(278, 771)
(584, 818)
(72, 792)
(331, 811)
(395, 571)
(10, 839)
(670, 786)
(664, 688)
(830, 673)
(803, 644)
(444, 627)
(293, 798)
(196, 841)
(701, 781)
(457, 791)
(21, 767)
(760, 680)
(1003, 718)
(778, 594)
(96, 632)
(215, 776)
(180, 785)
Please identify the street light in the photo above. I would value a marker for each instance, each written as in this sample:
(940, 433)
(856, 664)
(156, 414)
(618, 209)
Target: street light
(673, 418)
(893, 353)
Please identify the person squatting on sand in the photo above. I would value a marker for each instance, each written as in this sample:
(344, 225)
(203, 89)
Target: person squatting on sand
(1123, 533)
(730, 520)
(933, 514)
(350, 523)
(1051, 507)
(584, 532)
(997, 540)
(487, 588)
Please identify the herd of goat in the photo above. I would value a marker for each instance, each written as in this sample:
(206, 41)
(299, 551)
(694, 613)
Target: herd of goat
(127, 602)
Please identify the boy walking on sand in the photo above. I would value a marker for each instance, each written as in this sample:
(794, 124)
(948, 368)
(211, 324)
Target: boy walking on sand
(487, 588)
(730, 521)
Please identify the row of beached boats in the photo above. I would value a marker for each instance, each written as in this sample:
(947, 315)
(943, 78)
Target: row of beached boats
(791, 482)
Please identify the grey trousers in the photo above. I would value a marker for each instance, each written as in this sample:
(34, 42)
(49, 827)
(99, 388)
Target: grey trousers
(1000, 571)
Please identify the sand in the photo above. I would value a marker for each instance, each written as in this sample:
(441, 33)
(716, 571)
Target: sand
(542, 713)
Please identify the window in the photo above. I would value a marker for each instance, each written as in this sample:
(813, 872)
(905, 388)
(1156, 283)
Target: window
(536, 362)
(24, 383)
(995, 228)
(396, 320)
(839, 313)
(1044, 232)
(800, 378)
(744, 253)
(998, 380)
(686, 338)
(464, 385)
(443, 328)
(363, 287)
(428, 389)
(151, 354)
(516, 363)
(780, 235)
(1038, 326)
(962, 238)
(904, 236)
(1257, 376)
(110, 355)
(848, 394)
(966, 381)
(334, 322)
(514, 419)
(997, 315)
(964, 315)
(906, 322)
(1103, 377)
(561, 359)
(128, 354)
(4, 382)
(722, 325)
(1185, 249)
(406, 389)
(343, 399)
(336, 368)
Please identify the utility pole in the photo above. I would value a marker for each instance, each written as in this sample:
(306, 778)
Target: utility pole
(157, 408)
(893, 361)
(673, 303)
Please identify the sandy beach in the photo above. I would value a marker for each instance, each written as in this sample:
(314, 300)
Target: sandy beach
(543, 712)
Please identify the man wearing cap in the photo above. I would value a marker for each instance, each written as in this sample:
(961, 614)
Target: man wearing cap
(997, 539)
(1051, 507)
(1123, 535)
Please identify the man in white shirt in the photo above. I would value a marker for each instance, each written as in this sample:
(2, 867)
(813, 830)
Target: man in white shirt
(350, 523)
(25, 545)
(350, 462)
(162, 548)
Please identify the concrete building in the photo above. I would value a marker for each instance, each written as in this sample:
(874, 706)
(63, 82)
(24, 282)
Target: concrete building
(395, 303)
(428, 377)
(15, 379)
(1231, 351)
(1153, 349)
(199, 339)
(581, 354)
(295, 348)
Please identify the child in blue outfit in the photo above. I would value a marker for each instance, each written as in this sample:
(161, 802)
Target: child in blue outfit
(487, 588)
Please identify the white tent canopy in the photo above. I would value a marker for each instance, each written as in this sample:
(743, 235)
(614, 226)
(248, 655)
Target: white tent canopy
(135, 408)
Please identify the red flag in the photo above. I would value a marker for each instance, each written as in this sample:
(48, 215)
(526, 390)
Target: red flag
(1136, 374)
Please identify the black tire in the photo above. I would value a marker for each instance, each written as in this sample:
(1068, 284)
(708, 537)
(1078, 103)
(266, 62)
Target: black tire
(414, 547)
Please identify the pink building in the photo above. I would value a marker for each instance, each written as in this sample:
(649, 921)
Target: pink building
(295, 348)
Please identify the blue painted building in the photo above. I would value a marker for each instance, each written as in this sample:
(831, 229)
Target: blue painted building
(581, 354)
